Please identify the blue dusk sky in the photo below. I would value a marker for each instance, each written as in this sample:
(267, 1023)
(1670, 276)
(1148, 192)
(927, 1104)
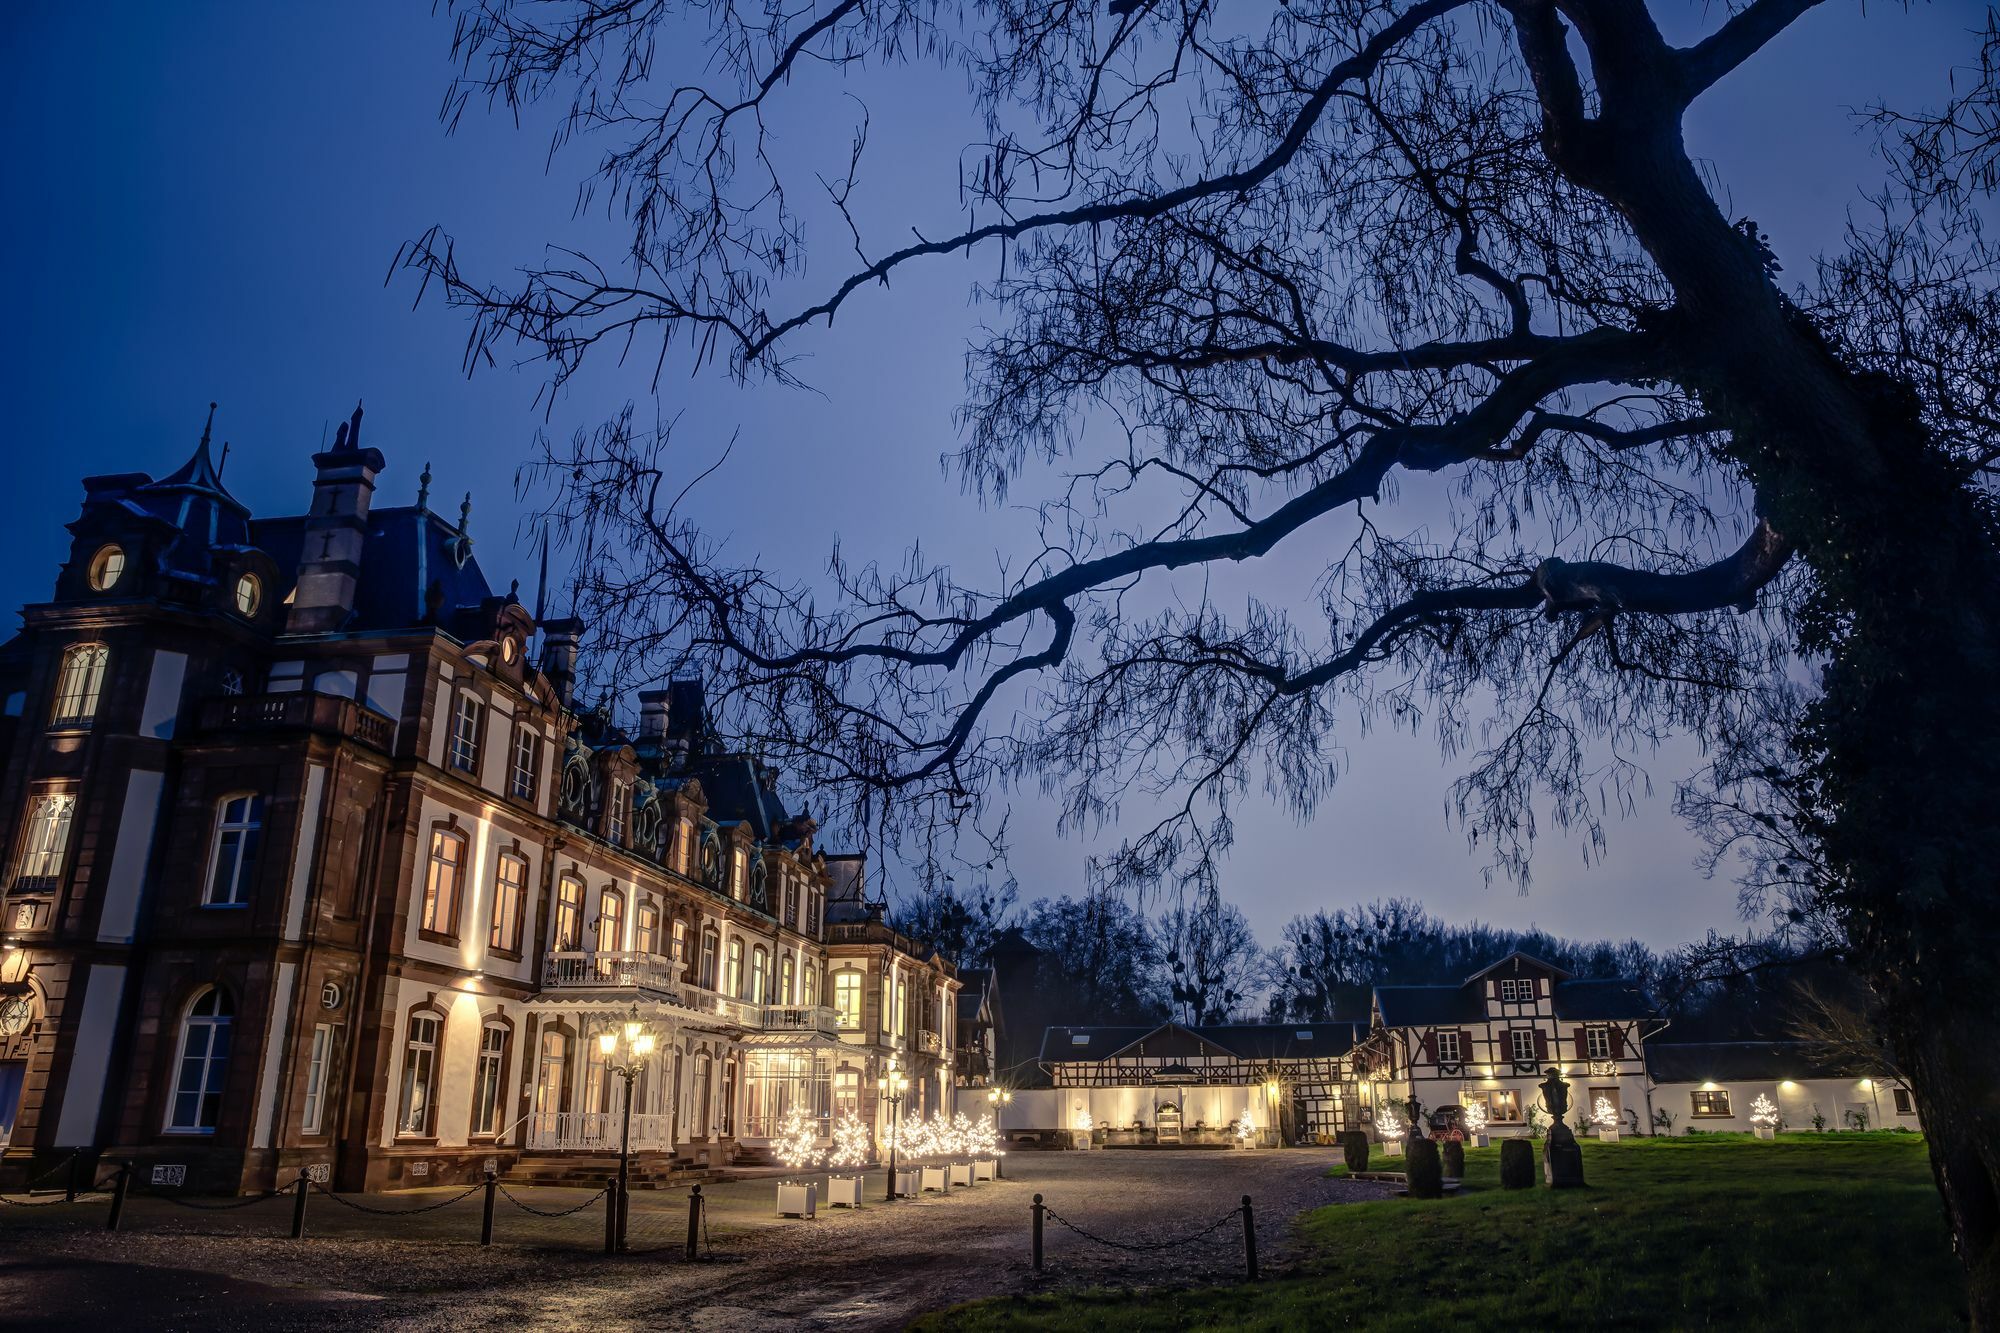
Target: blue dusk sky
(205, 198)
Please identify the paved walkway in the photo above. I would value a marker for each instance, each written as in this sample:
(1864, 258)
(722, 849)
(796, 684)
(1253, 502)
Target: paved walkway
(872, 1269)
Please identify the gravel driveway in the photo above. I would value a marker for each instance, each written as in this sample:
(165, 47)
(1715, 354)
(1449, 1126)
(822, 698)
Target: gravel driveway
(175, 1268)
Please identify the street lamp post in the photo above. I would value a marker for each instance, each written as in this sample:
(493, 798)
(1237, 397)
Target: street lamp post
(997, 1098)
(891, 1087)
(626, 1049)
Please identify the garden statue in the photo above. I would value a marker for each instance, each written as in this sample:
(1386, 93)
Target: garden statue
(1562, 1160)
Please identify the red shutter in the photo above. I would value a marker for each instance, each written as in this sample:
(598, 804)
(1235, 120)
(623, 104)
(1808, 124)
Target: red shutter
(1617, 1044)
(1541, 1044)
(1582, 1049)
(1430, 1048)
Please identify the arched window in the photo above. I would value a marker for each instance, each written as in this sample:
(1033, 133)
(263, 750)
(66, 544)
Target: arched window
(202, 1064)
(788, 981)
(510, 902)
(704, 1079)
(647, 940)
(569, 914)
(418, 1114)
(728, 1096)
(487, 1079)
(760, 974)
(444, 884)
(847, 998)
(552, 1080)
(232, 854)
(80, 685)
(47, 836)
(610, 921)
(736, 968)
(811, 996)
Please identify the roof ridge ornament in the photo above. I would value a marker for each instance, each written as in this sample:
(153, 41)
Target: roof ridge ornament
(424, 486)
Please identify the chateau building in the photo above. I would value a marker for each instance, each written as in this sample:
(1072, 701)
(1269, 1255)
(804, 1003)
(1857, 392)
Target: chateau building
(314, 859)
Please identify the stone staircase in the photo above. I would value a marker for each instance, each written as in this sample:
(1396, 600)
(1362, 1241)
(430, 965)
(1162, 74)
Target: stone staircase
(590, 1170)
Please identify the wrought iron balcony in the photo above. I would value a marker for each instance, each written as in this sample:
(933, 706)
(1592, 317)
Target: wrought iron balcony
(930, 1043)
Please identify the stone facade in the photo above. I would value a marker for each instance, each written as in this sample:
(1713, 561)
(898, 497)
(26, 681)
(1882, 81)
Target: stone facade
(314, 859)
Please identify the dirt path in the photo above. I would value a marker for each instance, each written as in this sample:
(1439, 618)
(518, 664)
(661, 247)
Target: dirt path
(875, 1269)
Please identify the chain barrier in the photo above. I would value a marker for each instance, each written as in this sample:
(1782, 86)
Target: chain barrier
(1142, 1247)
(540, 1212)
(468, 1192)
(83, 1196)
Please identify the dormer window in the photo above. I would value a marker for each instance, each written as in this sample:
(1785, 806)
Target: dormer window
(1516, 990)
(509, 650)
(249, 595)
(465, 734)
(621, 805)
(106, 568)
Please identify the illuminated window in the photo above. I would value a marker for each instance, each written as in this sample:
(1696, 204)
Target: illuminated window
(847, 999)
(569, 913)
(847, 1092)
(610, 921)
(760, 974)
(47, 838)
(106, 568)
(681, 942)
(788, 981)
(249, 595)
(444, 883)
(202, 1064)
(1710, 1103)
(736, 968)
(420, 1053)
(709, 944)
(510, 902)
(80, 685)
(648, 938)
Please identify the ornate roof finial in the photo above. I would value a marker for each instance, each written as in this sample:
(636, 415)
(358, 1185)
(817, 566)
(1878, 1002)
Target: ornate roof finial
(424, 487)
(354, 427)
(465, 514)
(207, 425)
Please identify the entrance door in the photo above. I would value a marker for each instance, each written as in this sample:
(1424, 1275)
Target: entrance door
(552, 1082)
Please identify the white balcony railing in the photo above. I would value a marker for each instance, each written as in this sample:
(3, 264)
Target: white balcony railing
(596, 1131)
(930, 1043)
(658, 976)
(801, 1018)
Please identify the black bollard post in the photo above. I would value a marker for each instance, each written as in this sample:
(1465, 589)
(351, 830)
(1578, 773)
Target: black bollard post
(1038, 1233)
(122, 1183)
(299, 1208)
(1249, 1239)
(486, 1218)
(611, 1215)
(1000, 1166)
(69, 1185)
(694, 1222)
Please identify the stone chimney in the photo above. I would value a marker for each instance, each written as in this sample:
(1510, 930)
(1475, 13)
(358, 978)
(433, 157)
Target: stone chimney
(653, 715)
(335, 530)
(559, 640)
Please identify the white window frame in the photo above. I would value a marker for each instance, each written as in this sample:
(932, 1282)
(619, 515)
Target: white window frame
(569, 911)
(487, 1072)
(1449, 1052)
(525, 777)
(1514, 1044)
(1597, 1042)
(850, 982)
(430, 918)
(466, 715)
(214, 1068)
(314, 1115)
(510, 903)
(80, 685)
(620, 815)
(248, 828)
(419, 1054)
(1514, 990)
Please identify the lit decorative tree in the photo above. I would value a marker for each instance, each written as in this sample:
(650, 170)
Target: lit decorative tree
(964, 1138)
(1764, 1111)
(1475, 1117)
(1602, 1114)
(1083, 1121)
(1246, 1129)
(985, 1140)
(1389, 1123)
(852, 1143)
(797, 1143)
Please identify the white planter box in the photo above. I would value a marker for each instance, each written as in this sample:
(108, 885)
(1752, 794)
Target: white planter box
(843, 1192)
(1479, 1140)
(983, 1170)
(1607, 1134)
(798, 1200)
(1766, 1131)
(1081, 1138)
(934, 1178)
(1392, 1147)
(907, 1179)
(961, 1174)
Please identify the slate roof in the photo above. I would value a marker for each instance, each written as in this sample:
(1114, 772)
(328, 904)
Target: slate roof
(1429, 1006)
(408, 550)
(1751, 1061)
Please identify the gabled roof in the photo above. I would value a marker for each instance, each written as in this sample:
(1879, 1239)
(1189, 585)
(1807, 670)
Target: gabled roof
(1517, 957)
(1747, 1061)
(1176, 1041)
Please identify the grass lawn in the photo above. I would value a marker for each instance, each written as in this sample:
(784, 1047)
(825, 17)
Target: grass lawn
(1813, 1231)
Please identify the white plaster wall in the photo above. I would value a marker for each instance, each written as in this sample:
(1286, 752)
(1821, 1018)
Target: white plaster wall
(1056, 1108)
(1795, 1100)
